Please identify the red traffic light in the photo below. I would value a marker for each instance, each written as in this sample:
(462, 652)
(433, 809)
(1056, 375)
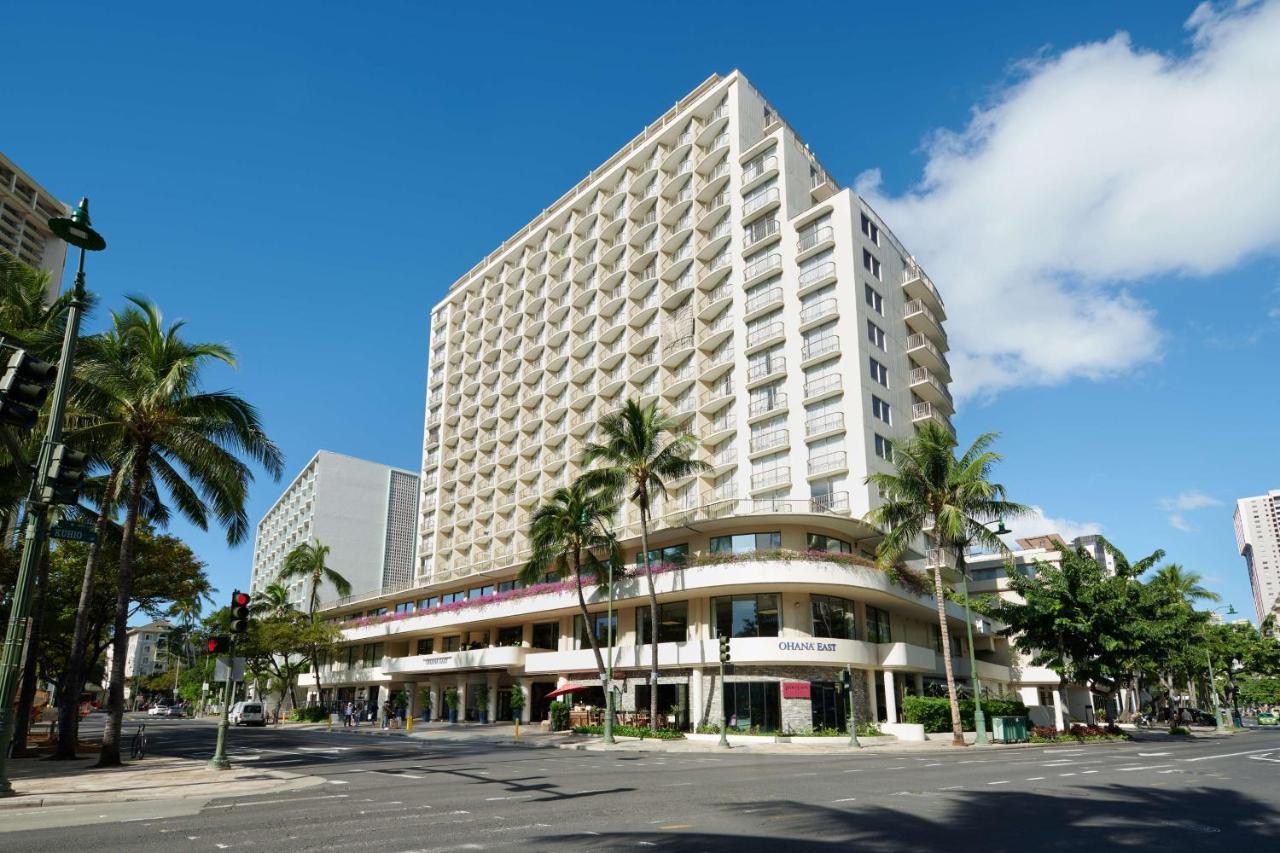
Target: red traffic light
(218, 645)
(212, 645)
(240, 599)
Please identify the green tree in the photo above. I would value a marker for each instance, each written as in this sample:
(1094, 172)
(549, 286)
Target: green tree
(308, 562)
(947, 500)
(178, 438)
(641, 450)
(568, 536)
(271, 601)
(284, 644)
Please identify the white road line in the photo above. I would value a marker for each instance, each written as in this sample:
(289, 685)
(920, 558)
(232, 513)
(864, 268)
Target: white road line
(1057, 763)
(677, 784)
(845, 800)
(935, 764)
(1035, 778)
(859, 770)
(1066, 774)
(1153, 754)
(513, 797)
(951, 788)
(1001, 782)
(1087, 772)
(1229, 754)
(1143, 767)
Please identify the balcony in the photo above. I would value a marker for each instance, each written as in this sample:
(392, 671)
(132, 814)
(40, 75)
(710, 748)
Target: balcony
(828, 463)
(918, 286)
(922, 412)
(942, 560)
(815, 277)
(823, 425)
(921, 319)
(763, 302)
(766, 369)
(815, 238)
(759, 202)
(772, 478)
(765, 335)
(771, 440)
(924, 351)
(758, 169)
(930, 388)
(766, 405)
(760, 232)
(823, 310)
(717, 396)
(823, 386)
(820, 348)
(761, 268)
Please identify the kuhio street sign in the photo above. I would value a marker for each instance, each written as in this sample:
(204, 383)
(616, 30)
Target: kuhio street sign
(76, 531)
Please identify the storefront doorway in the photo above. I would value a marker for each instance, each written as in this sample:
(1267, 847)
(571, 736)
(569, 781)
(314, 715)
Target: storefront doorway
(828, 705)
(502, 709)
(673, 704)
(539, 704)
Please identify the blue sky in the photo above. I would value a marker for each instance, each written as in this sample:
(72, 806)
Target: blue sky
(303, 181)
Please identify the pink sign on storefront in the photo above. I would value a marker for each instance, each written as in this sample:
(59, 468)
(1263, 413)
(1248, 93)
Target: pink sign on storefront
(795, 690)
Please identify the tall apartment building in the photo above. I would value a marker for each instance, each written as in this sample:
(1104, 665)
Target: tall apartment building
(1257, 523)
(25, 210)
(365, 512)
(714, 267)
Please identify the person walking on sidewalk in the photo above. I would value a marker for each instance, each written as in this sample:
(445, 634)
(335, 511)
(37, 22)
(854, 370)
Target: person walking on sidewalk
(349, 715)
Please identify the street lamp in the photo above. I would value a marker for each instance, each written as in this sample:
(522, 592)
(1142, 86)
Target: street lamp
(979, 718)
(1213, 688)
(77, 231)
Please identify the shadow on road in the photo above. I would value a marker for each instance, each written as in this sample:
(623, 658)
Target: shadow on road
(1079, 819)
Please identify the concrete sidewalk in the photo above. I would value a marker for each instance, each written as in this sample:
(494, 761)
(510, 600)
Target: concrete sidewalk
(41, 783)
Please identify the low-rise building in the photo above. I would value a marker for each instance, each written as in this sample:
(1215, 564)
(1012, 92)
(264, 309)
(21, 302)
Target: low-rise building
(146, 654)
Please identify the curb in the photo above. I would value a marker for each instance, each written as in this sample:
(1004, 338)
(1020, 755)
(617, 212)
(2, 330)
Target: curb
(284, 780)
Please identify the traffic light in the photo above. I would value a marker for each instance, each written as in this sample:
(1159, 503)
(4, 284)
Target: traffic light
(23, 387)
(65, 477)
(218, 645)
(846, 680)
(724, 650)
(239, 612)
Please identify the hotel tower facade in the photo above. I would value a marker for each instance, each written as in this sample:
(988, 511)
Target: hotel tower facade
(715, 268)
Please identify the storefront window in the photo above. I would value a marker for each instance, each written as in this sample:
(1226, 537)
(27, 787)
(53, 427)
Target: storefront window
(822, 542)
(753, 705)
(878, 625)
(427, 646)
(451, 644)
(833, 617)
(745, 543)
(746, 615)
(511, 636)
(673, 623)
(600, 624)
(546, 635)
(675, 554)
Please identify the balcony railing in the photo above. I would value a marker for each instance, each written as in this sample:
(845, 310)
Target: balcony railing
(770, 440)
(762, 300)
(834, 461)
(818, 311)
(917, 307)
(926, 411)
(824, 423)
(820, 347)
(922, 374)
(758, 201)
(822, 384)
(815, 237)
(772, 477)
(762, 266)
(817, 273)
(768, 403)
(759, 336)
(918, 341)
(757, 168)
(766, 368)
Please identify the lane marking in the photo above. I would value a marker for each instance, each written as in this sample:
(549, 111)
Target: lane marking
(1153, 754)
(1143, 767)
(1001, 782)
(513, 797)
(1066, 774)
(1087, 772)
(1035, 778)
(339, 782)
(845, 800)
(1229, 754)
(951, 788)
(668, 826)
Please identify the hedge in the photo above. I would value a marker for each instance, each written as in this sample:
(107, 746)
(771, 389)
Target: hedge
(935, 711)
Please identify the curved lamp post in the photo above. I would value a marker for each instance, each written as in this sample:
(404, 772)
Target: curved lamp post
(979, 718)
(1213, 688)
(76, 230)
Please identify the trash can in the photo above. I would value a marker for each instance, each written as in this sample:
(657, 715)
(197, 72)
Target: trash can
(1009, 729)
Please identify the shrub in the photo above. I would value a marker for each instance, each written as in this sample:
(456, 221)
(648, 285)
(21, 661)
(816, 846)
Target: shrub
(934, 712)
(1180, 730)
(869, 730)
(559, 712)
(310, 714)
(631, 731)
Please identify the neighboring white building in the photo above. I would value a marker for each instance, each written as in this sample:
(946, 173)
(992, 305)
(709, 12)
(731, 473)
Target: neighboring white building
(146, 654)
(362, 510)
(25, 210)
(1257, 523)
(713, 266)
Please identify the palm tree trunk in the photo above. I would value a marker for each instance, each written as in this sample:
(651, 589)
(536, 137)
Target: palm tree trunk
(957, 730)
(30, 663)
(74, 677)
(586, 619)
(653, 612)
(110, 755)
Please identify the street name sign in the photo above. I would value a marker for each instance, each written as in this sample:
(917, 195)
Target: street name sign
(74, 531)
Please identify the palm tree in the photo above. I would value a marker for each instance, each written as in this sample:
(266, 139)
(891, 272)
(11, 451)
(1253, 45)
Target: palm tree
(271, 601)
(174, 437)
(641, 450)
(950, 501)
(307, 561)
(1185, 584)
(567, 536)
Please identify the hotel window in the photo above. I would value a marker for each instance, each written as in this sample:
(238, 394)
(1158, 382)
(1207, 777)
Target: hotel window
(507, 586)
(871, 263)
(879, 372)
(377, 611)
(936, 636)
(673, 623)
(450, 597)
(477, 591)
(880, 410)
(833, 617)
(451, 644)
(350, 656)
(404, 607)
(546, 635)
(370, 653)
(875, 334)
(676, 555)
(511, 636)
(870, 229)
(745, 543)
(745, 615)
(424, 603)
(1045, 695)
(878, 625)
(884, 448)
(823, 542)
(427, 646)
(600, 626)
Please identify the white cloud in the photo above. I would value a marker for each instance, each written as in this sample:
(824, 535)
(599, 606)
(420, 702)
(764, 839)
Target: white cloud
(1178, 522)
(1040, 524)
(1095, 169)
(1188, 500)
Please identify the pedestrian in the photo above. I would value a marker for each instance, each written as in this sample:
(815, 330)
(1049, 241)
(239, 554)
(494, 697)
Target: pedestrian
(349, 716)
(386, 715)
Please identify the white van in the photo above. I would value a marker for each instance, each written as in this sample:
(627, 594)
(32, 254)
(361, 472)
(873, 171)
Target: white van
(246, 713)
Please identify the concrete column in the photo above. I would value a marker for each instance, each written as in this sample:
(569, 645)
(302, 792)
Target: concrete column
(890, 697)
(437, 699)
(462, 698)
(411, 710)
(919, 682)
(696, 697)
(493, 697)
(526, 684)
(1059, 721)
(872, 699)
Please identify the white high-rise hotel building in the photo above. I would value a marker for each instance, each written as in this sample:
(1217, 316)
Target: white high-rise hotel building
(1257, 523)
(714, 267)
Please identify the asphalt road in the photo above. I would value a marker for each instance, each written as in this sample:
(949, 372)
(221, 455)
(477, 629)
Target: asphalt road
(399, 794)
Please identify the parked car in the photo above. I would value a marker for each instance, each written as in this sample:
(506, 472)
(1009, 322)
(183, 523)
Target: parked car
(1268, 718)
(158, 710)
(247, 713)
(176, 711)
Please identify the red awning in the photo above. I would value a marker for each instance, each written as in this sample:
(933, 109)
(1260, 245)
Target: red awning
(569, 688)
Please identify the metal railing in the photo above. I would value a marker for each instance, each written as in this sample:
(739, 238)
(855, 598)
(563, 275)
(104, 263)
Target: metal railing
(820, 347)
(772, 477)
(824, 423)
(819, 310)
(758, 167)
(770, 440)
(817, 273)
(762, 266)
(765, 333)
(768, 403)
(761, 300)
(833, 461)
(767, 368)
(814, 237)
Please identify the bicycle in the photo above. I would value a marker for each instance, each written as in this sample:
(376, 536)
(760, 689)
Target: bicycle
(138, 746)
